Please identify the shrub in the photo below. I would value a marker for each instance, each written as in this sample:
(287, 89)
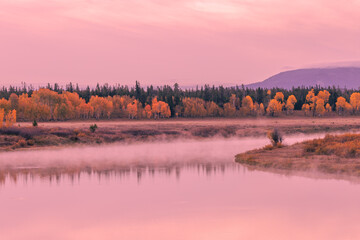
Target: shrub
(26, 133)
(22, 143)
(93, 128)
(35, 124)
(275, 137)
(81, 134)
(30, 142)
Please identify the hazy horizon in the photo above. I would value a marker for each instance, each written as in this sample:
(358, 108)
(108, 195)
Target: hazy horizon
(191, 42)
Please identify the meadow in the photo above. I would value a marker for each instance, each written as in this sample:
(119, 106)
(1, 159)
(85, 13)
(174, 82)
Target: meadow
(64, 133)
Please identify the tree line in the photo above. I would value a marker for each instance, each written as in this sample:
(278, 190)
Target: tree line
(56, 103)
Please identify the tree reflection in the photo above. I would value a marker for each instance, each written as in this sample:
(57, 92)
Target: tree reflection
(105, 171)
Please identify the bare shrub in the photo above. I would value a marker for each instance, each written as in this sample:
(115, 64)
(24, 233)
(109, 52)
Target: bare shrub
(275, 137)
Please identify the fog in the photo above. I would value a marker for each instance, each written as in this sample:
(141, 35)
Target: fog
(219, 150)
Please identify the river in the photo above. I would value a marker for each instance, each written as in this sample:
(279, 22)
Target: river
(168, 190)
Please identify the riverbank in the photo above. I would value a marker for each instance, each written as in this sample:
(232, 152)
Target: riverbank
(333, 154)
(77, 132)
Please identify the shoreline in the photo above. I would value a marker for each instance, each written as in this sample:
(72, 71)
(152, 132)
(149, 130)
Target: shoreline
(333, 155)
(61, 134)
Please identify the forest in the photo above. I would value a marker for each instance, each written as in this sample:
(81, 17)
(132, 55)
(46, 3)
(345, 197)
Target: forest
(104, 102)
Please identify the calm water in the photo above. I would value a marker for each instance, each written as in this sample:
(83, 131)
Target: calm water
(178, 190)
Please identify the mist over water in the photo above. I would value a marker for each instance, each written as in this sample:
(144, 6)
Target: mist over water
(211, 150)
(167, 190)
(139, 159)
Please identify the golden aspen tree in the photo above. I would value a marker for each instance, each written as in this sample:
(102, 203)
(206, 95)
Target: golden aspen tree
(320, 109)
(324, 95)
(14, 101)
(342, 105)
(212, 109)
(85, 110)
(10, 118)
(132, 109)
(311, 99)
(194, 107)
(5, 104)
(261, 109)
(164, 110)
(290, 103)
(247, 106)
(279, 96)
(48, 98)
(155, 108)
(320, 99)
(255, 109)
(102, 106)
(355, 102)
(275, 107)
(229, 110)
(328, 108)
(148, 111)
(2, 115)
(306, 108)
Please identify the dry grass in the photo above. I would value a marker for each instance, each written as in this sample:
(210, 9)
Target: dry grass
(334, 154)
(77, 132)
(347, 145)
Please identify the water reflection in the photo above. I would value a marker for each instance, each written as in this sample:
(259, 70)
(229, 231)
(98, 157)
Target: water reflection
(108, 172)
(167, 191)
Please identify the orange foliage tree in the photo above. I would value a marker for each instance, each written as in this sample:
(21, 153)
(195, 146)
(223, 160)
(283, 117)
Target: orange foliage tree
(355, 102)
(290, 103)
(247, 106)
(316, 103)
(342, 106)
(2, 115)
(276, 104)
(10, 118)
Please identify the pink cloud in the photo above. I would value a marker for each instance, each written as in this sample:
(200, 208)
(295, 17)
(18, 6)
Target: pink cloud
(157, 41)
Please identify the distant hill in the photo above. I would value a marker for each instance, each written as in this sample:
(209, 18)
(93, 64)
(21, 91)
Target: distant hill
(344, 77)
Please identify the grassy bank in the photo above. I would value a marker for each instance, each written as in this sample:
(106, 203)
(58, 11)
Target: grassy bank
(333, 154)
(78, 132)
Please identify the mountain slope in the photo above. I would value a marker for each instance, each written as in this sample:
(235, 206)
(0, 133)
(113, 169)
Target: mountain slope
(344, 77)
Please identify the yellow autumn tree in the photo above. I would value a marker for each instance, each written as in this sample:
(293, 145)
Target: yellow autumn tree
(320, 109)
(213, 110)
(10, 118)
(274, 108)
(193, 107)
(165, 111)
(229, 110)
(355, 102)
(247, 106)
(2, 115)
(290, 103)
(148, 111)
(261, 110)
(279, 96)
(314, 100)
(14, 101)
(276, 104)
(132, 109)
(306, 108)
(103, 107)
(342, 106)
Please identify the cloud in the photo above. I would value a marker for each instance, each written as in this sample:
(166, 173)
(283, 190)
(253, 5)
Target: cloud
(195, 41)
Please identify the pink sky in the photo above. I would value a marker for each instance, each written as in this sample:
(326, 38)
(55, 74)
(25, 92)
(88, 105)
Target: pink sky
(162, 42)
